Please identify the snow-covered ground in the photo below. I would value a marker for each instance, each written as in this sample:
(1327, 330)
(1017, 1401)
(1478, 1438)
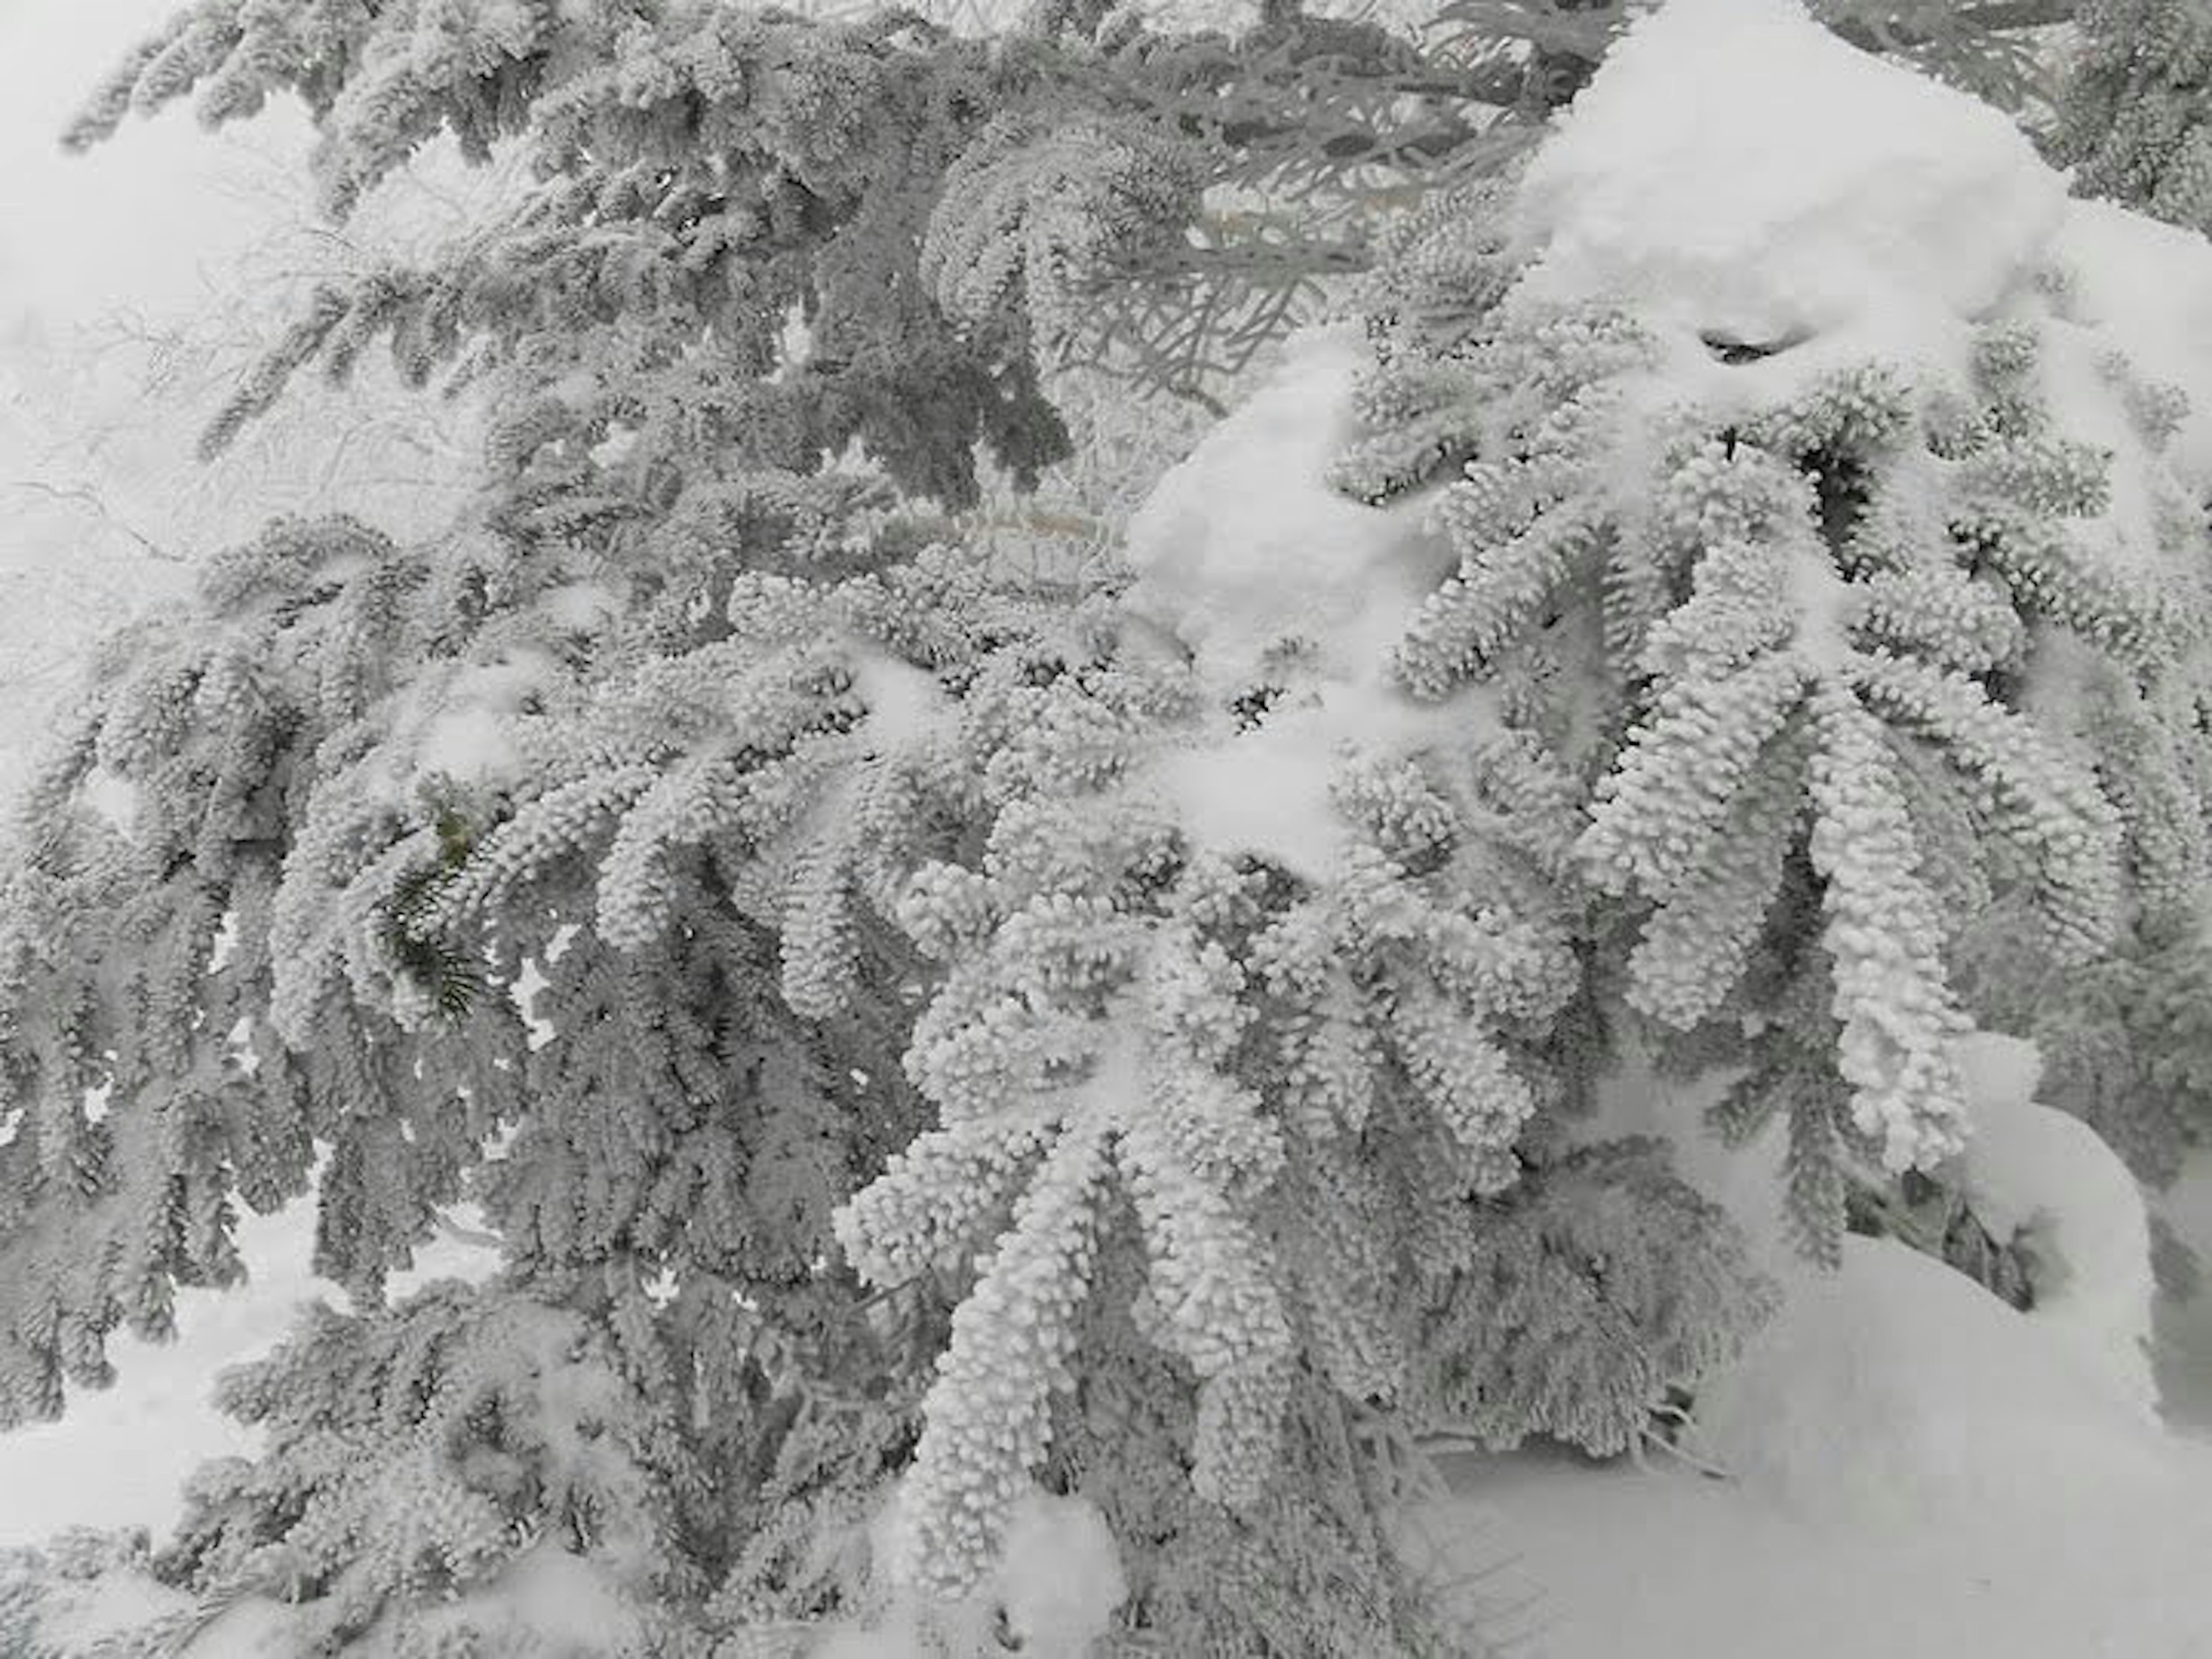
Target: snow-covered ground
(1665, 1564)
(1918, 1471)
(2105, 1563)
(1931, 1496)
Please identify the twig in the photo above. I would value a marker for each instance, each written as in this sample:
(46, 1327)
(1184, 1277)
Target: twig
(471, 1235)
(86, 495)
(1710, 1471)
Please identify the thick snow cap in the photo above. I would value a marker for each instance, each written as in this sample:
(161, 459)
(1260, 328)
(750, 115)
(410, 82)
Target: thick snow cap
(1734, 158)
(1244, 545)
(1733, 172)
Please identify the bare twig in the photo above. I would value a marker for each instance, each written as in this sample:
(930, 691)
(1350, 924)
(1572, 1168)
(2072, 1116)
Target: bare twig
(474, 1237)
(86, 496)
(1689, 1459)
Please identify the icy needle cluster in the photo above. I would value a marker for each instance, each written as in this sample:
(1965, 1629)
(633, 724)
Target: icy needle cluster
(1795, 629)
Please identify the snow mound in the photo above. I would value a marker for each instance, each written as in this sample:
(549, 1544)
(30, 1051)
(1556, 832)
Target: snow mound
(2044, 1179)
(1243, 546)
(1061, 1576)
(1059, 1580)
(1248, 560)
(468, 738)
(2146, 288)
(1661, 1563)
(1809, 186)
(1833, 208)
(1897, 1386)
(1897, 1390)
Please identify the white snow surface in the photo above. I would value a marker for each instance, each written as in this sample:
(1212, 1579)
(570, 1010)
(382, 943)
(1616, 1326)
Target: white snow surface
(1605, 1561)
(2146, 288)
(1896, 1392)
(2042, 1178)
(1913, 1468)
(1058, 1581)
(1734, 158)
(1247, 559)
(1244, 546)
(545, 1602)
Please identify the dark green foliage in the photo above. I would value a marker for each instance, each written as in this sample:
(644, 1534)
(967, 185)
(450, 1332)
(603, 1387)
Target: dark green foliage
(1933, 1217)
(1583, 1298)
(413, 1454)
(2126, 1042)
(451, 978)
(2135, 116)
(1307, 1571)
(711, 171)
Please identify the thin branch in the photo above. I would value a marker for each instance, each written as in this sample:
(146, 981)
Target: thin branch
(1689, 1459)
(473, 1237)
(2000, 17)
(86, 495)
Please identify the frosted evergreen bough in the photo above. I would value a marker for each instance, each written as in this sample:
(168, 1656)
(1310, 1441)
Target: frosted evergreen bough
(1829, 596)
(2134, 120)
(1106, 1045)
(1817, 645)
